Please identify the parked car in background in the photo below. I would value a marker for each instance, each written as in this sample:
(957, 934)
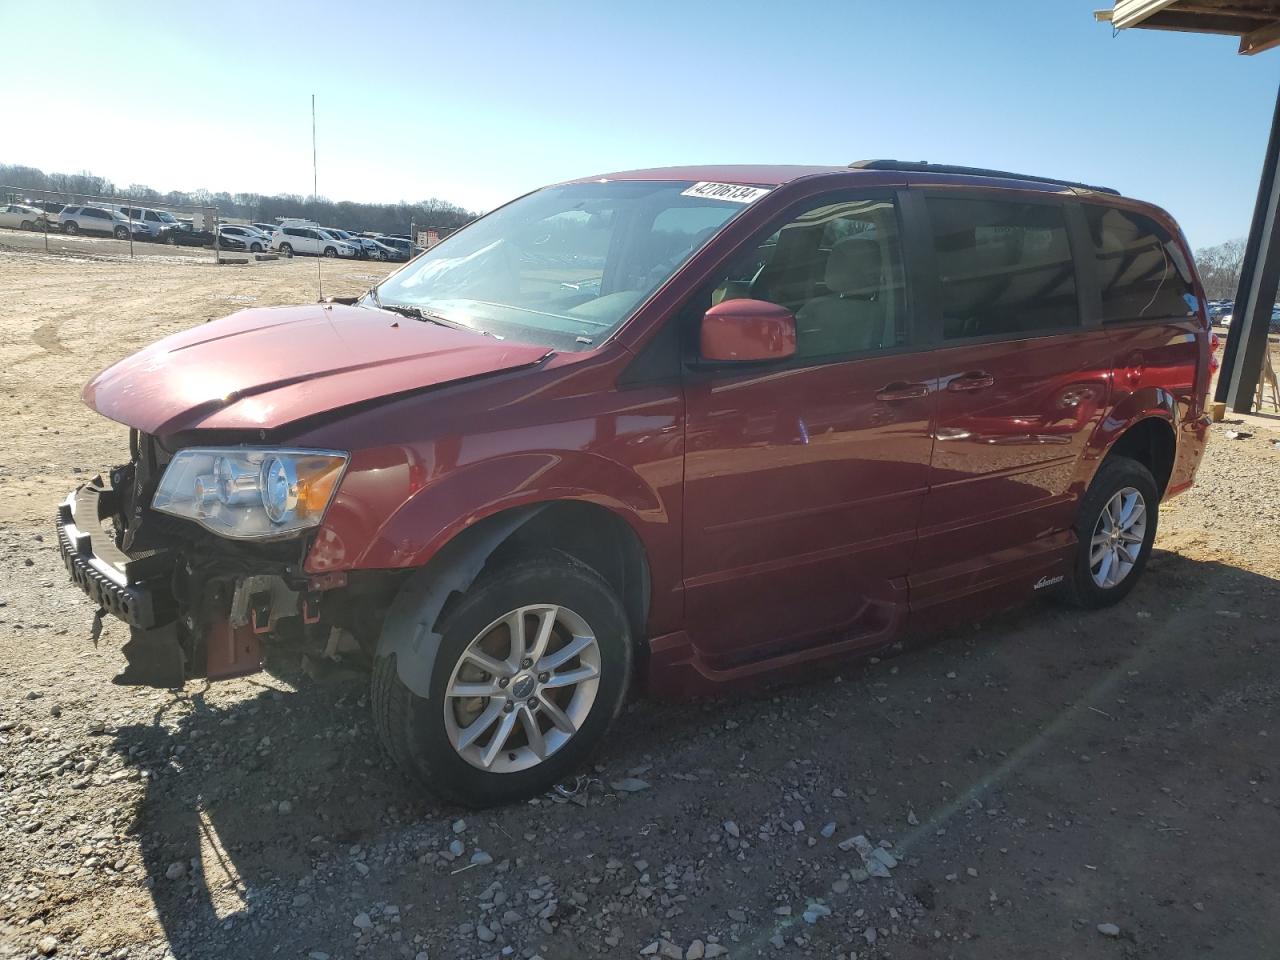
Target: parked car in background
(404, 249)
(377, 250)
(365, 247)
(314, 241)
(51, 209)
(21, 217)
(250, 238)
(266, 228)
(78, 219)
(155, 223)
(736, 424)
(233, 241)
(188, 236)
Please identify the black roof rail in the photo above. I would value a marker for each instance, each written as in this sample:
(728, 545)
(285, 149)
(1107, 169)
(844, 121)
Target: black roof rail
(924, 166)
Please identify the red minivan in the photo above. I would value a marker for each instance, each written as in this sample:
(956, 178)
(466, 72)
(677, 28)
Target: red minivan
(693, 426)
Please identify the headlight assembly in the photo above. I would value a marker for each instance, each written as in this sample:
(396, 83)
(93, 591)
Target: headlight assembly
(250, 494)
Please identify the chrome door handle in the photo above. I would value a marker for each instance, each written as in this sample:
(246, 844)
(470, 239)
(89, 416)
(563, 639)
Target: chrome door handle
(976, 380)
(902, 391)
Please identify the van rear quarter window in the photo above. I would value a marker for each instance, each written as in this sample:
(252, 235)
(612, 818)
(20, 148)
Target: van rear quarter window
(1142, 273)
(1004, 268)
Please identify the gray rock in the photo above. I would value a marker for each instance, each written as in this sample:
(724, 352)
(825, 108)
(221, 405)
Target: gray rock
(176, 871)
(629, 785)
(362, 921)
(484, 934)
(815, 912)
(48, 945)
(459, 826)
(480, 858)
(731, 829)
(715, 950)
(828, 830)
(1108, 930)
(697, 950)
(456, 847)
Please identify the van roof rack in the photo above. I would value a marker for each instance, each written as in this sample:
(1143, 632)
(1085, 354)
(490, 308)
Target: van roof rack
(924, 166)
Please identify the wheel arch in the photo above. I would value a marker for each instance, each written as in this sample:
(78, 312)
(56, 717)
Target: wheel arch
(593, 534)
(1142, 426)
(1152, 442)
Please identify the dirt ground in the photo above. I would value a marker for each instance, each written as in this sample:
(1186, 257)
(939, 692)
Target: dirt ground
(1033, 777)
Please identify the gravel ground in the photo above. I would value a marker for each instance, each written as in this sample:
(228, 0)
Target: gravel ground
(1043, 784)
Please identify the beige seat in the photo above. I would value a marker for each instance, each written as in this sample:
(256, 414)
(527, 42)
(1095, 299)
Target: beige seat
(851, 318)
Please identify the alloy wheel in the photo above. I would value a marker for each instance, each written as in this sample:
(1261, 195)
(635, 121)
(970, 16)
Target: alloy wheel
(522, 688)
(1118, 537)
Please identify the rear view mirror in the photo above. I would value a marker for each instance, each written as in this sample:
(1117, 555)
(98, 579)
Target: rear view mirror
(747, 330)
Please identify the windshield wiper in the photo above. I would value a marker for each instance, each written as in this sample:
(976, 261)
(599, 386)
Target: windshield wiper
(417, 313)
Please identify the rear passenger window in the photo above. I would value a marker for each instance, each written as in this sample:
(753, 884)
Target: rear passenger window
(1004, 268)
(1142, 274)
(838, 268)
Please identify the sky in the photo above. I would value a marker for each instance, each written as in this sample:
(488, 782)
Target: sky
(476, 102)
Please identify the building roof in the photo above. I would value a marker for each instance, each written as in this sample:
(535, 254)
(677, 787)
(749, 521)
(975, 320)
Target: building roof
(1255, 22)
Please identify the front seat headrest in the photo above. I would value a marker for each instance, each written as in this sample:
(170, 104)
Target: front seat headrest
(853, 267)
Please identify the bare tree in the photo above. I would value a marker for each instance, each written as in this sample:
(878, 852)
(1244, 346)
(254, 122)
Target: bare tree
(1220, 268)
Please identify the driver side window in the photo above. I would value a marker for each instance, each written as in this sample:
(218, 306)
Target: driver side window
(838, 268)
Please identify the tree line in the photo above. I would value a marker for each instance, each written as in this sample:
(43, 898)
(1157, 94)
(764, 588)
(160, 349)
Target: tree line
(345, 214)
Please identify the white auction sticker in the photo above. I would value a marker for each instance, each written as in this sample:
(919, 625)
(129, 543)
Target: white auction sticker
(734, 192)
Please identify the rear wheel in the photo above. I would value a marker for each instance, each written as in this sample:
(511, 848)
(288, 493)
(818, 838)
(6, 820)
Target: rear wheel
(122, 233)
(71, 227)
(1116, 527)
(532, 666)
(286, 250)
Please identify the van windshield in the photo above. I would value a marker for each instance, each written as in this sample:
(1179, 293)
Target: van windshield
(564, 266)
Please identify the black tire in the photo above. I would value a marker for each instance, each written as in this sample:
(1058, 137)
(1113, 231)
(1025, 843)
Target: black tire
(286, 250)
(1116, 473)
(255, 248)
(412, 728)
(330, 252)
(171, 239)
(71, 227)
(28, 225)
(121, 233)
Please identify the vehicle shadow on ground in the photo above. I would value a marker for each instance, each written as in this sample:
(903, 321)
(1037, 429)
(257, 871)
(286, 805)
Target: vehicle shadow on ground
(287, 823)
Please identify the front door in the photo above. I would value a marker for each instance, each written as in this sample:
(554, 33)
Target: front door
(804, 480)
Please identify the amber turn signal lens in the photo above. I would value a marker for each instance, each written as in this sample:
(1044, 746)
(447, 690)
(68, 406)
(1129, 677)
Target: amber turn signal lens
(316, 488)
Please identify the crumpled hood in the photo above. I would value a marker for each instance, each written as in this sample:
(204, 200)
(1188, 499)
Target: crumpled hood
(266, 367)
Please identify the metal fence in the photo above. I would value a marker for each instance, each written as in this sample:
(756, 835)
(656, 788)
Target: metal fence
(204, 221)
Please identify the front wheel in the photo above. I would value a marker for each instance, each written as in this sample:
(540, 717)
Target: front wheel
(532, 666)
(28, 225)
(330, 252)
(1116, 527)
(255, 248)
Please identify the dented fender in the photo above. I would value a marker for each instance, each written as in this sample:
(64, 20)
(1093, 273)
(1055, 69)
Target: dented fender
(409, 630)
